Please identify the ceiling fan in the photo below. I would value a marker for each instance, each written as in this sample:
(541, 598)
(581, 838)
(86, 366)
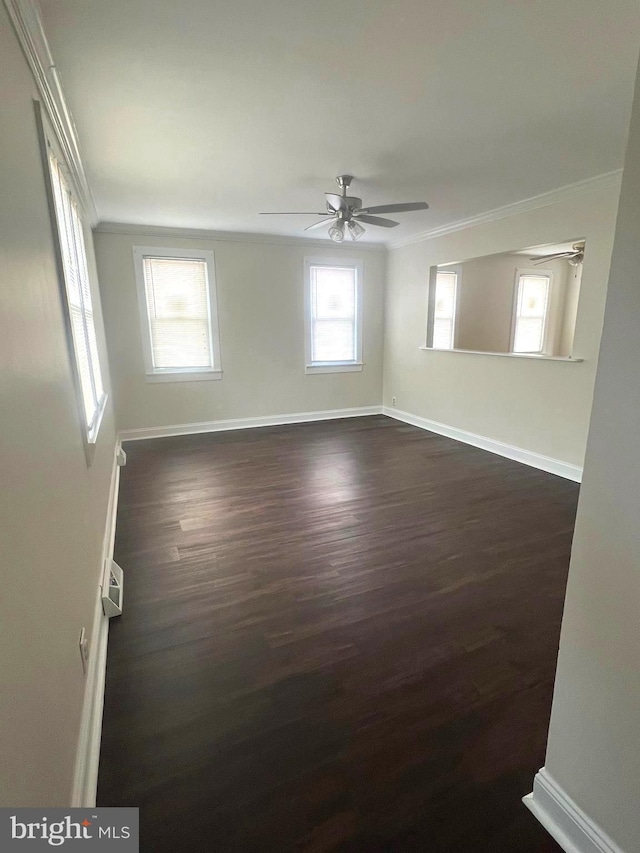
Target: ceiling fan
(573, 256)
(346, 213)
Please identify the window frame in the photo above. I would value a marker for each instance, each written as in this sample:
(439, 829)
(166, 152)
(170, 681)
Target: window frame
(178, 374)
(456, 269)
(50, 147)
(540, 273)
(356, 364)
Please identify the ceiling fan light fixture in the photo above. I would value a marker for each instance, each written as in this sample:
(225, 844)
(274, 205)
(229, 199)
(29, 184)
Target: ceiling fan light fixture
(355, 229)
(336, 232)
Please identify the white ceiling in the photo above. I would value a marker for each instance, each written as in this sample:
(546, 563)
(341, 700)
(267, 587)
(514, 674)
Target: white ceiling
(200, 114)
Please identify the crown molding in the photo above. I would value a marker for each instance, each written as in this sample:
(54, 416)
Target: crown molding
(27, 23)
(564, 193)
(232, 237)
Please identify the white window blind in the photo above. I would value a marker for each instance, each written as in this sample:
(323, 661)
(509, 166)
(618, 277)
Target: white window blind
(76, 275)
(334, 331)
(445, 310)
(177, 299)
(531, 313)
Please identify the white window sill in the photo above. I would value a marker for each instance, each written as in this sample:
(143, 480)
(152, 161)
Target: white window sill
(508, 354)
(183, 375)
(347, 367)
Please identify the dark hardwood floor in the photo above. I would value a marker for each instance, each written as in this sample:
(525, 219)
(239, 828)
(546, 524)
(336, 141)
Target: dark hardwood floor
(337, 636)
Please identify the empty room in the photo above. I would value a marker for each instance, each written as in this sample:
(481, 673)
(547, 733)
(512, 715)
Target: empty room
(319, 405)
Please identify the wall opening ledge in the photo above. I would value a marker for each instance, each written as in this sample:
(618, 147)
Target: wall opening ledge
(570, 359)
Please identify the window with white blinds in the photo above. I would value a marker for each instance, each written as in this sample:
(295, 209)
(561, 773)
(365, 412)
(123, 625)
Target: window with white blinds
(79, 304)
(334, 311)
(444, 315)
(177, 309)
(532, 304)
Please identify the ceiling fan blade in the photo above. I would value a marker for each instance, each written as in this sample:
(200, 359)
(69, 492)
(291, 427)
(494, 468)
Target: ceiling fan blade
(376, 220)
(292, 213)
(542, 258)
(336, 201)
(322, 222)
(397, 208)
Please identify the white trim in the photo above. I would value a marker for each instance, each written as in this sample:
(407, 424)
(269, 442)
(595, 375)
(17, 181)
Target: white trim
(509, 354)
(347, 367)
(27, 22)
(183, 375)
(346, 263)
(165, 232)
(564, 193)
(165, 374)
(574, 830)
(518, 454)
(85, 777)
(247, 423)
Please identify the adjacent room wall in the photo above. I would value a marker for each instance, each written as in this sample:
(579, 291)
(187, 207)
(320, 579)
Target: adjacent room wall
(52, 505)
(261, 313)
(486, 301)
(593, 749)
(540, 406)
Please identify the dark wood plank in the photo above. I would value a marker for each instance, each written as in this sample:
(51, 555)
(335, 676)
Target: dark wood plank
(337, 636)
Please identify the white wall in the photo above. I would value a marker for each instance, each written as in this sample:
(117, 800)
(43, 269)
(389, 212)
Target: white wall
(261, 312)
(541, 406)
(594, 745)
(52, 506)
(571, 300)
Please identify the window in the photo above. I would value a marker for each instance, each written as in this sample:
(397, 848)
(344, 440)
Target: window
(531, 309)
(178, 314)
(333, 296)
(444, 315)
(79, 305)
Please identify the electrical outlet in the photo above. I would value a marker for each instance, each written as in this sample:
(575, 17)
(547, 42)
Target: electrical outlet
(84, 649)
(393, 401)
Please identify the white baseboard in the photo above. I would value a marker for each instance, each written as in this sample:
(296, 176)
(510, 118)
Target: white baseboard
(574, 831)
(247, 423)
(85, 778)
(528, 457)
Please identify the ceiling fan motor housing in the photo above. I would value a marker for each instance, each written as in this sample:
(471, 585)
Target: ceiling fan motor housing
(344, 182)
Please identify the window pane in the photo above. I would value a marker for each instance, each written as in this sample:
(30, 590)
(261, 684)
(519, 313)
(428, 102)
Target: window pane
(181, 343)
(333, 292)
(442, 333)
(533, 295)
(333, 314)
(83, 361)
(93, 351)
(333, 340)
(77, 287)
(529, 333)
(178, 308)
